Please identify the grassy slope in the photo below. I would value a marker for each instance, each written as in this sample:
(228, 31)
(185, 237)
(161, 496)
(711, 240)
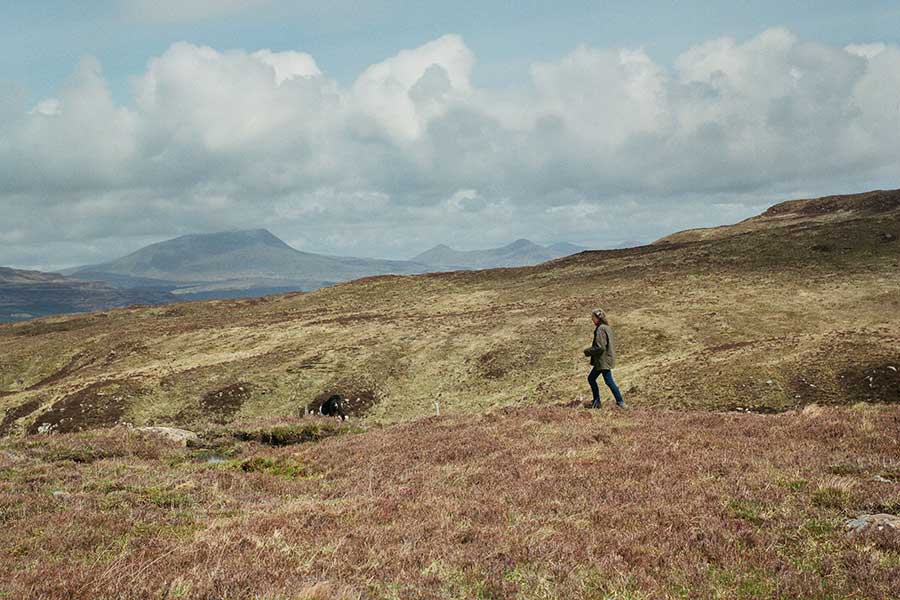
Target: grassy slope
(780, 311)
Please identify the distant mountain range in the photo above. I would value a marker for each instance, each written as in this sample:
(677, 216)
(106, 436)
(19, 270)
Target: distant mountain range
(520, 253)
(254, 262)
(228, 265)
(234, 263)
(30, 294)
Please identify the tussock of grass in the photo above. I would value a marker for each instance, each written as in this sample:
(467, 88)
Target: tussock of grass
(831, 497)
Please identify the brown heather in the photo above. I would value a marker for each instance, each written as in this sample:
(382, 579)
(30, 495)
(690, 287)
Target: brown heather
(514, 503)
(514, 491)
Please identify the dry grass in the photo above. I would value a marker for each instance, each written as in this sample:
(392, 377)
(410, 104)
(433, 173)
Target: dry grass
(516, 503)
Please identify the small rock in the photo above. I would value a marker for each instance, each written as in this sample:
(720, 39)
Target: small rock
(892, 368)
(878, 522)
(881, 479)
(173, 434)
(769, 382)
(61, 493)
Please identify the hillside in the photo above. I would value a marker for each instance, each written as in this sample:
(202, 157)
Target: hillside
(761, 363)
(254, 260)
(801, 308)
(520, 253)
(815, 211)
(28, 294)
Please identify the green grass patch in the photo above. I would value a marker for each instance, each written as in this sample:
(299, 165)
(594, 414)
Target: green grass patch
(457, 582)
(732, 583)
(819, 528)
(748, 510)
(795, 485)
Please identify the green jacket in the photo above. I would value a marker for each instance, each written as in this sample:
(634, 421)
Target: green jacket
(602, 351)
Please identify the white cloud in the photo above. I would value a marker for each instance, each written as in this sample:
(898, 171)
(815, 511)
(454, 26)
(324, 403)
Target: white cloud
(49, 108)
(405, 91)
(80, 140)
(197, 98)
(603, 96)
(866, 50)
(288, 65)
(599, 143)
(465, 201)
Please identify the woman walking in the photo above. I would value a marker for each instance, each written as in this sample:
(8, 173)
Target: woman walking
(603, 358)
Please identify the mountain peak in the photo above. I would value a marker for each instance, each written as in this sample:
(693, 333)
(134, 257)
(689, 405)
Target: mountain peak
(521, 244)
(241, 255)
(232, 237)
(566, 248)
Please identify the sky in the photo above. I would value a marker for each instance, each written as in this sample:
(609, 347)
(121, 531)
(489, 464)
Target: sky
(382, 128)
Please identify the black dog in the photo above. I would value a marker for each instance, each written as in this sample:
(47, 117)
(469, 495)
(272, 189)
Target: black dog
(333, 407)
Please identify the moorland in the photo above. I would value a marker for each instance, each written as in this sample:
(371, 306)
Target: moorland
(760, 361)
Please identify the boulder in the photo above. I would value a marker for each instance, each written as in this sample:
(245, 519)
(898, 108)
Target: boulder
(173, 434)
(877, 522)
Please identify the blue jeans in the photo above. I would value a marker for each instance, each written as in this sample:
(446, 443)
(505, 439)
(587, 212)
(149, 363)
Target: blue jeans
(610, 383)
